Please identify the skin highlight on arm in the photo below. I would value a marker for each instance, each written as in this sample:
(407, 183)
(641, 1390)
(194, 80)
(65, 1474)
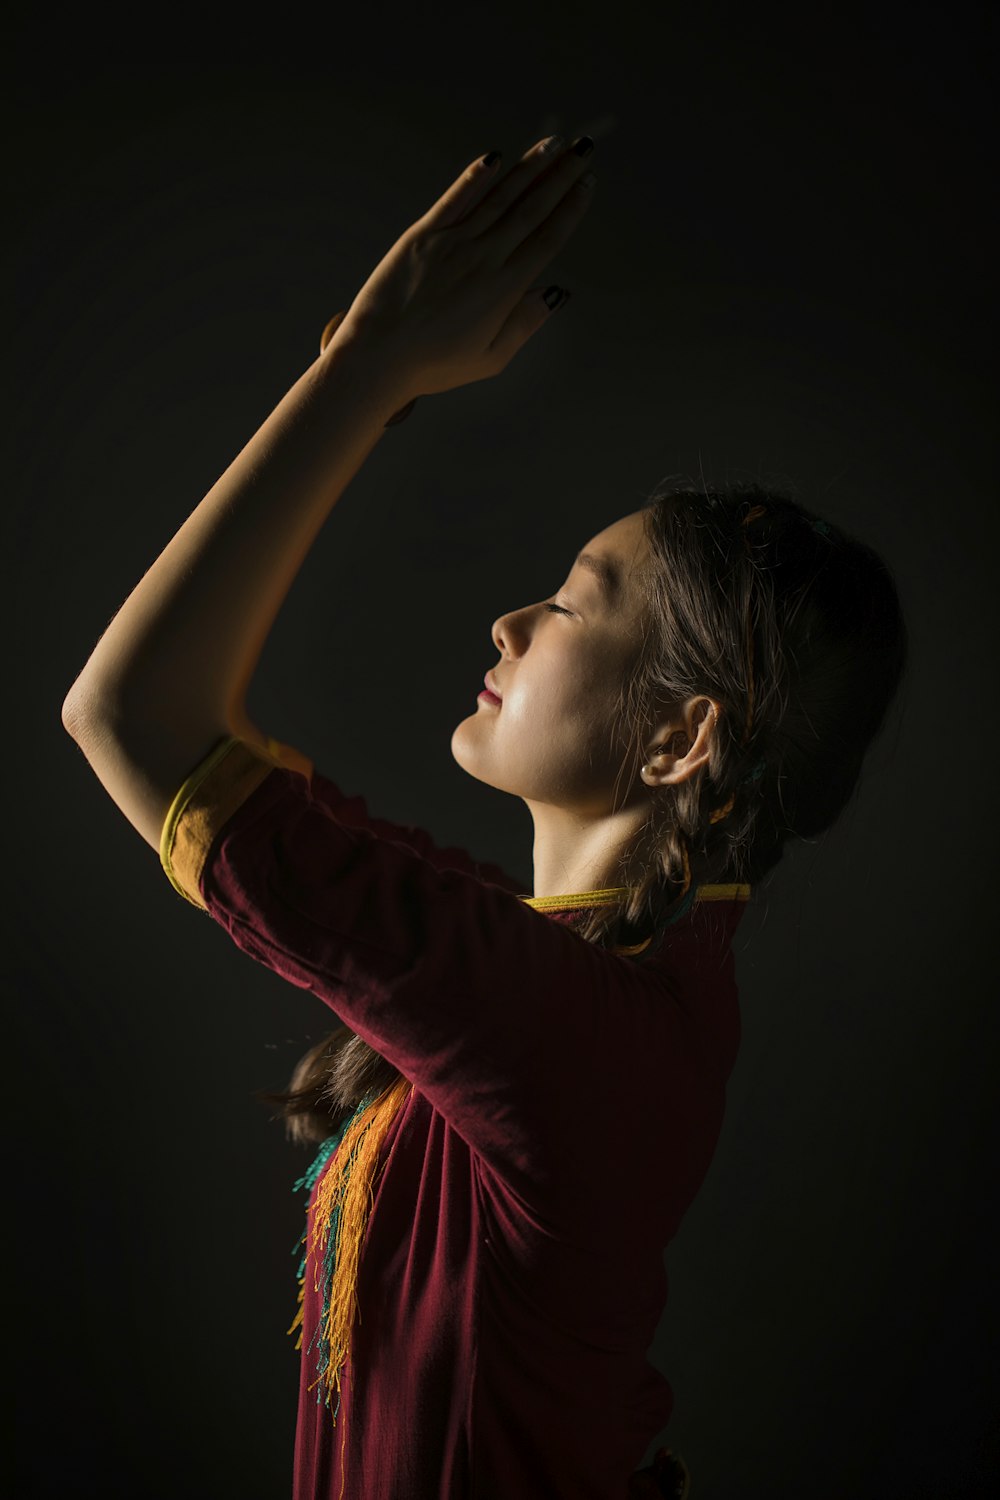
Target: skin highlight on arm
(169, 676)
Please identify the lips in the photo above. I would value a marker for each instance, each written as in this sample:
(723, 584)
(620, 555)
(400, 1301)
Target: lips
(490, 684)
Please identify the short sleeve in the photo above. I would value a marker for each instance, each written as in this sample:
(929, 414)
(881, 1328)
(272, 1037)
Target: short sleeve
(506, 1020)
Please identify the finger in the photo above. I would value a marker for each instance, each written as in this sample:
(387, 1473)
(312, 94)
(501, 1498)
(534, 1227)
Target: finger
(506, 190)
(547, 194)
(535, 252)
(530, 312)
(464, 193)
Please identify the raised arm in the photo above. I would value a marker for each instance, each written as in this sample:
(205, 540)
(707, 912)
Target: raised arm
(445, 307)
(169, 676)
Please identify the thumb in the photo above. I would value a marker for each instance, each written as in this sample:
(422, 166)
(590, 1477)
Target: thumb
(535, 308)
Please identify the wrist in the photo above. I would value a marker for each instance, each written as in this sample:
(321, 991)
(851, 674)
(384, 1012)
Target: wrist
(370, 373)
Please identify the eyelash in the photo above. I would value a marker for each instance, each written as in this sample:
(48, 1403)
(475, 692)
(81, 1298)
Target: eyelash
(557, 609)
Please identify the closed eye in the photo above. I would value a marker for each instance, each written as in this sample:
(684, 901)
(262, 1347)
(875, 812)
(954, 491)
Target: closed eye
(557, 609)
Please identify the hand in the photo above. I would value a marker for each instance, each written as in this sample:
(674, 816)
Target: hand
(453, 301)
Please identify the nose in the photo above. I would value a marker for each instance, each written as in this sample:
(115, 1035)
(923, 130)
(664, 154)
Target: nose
(496, 632)
(508, 632)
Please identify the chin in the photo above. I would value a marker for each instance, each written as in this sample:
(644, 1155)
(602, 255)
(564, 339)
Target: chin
(462, 752)
(469, 757)
(458, 749)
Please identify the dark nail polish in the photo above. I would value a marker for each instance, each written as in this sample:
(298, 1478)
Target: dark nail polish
(584, 146)
(494, 156)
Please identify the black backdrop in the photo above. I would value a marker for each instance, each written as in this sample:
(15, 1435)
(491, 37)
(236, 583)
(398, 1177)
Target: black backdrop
(784, 275)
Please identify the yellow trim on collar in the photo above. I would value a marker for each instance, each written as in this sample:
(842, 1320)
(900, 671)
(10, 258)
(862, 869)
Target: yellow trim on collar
(604, 897)
(610, 894)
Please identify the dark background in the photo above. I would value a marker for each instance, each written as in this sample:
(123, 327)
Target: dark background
(784, 275)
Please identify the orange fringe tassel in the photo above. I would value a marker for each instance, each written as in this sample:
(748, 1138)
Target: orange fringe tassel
(347, 1184)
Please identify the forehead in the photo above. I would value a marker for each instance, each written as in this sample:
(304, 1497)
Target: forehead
(623, 548)
(624, 540)
(623, 544)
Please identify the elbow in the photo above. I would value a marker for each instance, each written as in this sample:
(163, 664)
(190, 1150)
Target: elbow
(71, 715)
(81, 706)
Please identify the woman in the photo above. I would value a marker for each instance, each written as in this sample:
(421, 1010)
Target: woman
(524, 1093)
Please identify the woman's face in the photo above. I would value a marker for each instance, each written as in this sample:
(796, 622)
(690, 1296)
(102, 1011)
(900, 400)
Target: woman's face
(556, 737)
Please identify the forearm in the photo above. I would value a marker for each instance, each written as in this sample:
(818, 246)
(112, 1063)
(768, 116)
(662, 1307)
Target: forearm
(184, 645)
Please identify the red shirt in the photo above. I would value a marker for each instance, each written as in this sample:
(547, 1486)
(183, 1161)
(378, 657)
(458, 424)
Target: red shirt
(566, 1106)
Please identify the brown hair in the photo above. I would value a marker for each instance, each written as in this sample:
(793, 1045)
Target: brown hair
(795, 629)
(328, 1084)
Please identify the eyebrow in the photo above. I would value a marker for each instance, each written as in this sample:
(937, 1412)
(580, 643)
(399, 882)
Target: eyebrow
(606, 572)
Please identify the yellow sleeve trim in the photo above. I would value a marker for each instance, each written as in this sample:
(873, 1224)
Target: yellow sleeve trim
(218, 785)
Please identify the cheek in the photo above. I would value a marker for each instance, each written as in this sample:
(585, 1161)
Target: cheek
(569, 701)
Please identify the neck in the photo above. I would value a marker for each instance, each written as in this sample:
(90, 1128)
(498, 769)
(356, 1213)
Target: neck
(575, 853)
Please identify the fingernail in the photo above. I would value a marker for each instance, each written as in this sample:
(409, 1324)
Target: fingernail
(555, 297)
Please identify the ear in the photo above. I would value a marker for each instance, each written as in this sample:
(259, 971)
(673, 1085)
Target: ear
(680, 746)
